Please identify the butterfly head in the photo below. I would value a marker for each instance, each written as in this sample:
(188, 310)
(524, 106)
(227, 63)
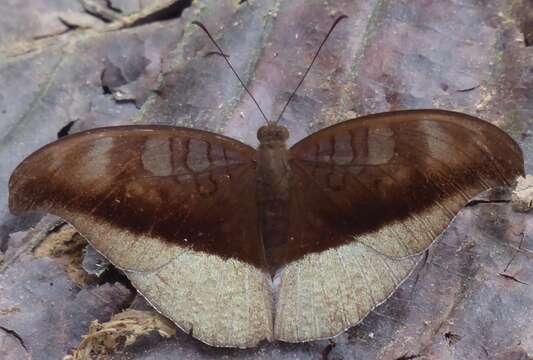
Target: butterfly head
(271, 133)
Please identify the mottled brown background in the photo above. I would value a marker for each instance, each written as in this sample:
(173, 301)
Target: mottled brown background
(92, 63)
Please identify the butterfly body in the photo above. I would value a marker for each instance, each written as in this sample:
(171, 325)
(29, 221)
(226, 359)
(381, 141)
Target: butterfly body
(201, 223)
(273, 174)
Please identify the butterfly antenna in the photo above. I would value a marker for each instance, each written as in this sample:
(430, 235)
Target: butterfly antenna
(312, 62)
(201, 26)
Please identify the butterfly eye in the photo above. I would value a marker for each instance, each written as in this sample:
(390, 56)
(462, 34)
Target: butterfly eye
(262, 133)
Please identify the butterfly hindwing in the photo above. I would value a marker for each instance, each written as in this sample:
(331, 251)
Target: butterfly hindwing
(368, 194)
(175, 208)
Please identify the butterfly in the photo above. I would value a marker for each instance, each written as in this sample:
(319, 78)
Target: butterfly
(237, 245)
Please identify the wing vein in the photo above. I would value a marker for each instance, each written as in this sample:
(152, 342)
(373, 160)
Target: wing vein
(365, 280)
(348, 277)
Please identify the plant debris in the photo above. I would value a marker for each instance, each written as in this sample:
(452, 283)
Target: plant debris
(66, 247)
(121, 331)
(522, 198)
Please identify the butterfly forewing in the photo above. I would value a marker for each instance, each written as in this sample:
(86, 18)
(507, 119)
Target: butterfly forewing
(404, 172)
(178, 185)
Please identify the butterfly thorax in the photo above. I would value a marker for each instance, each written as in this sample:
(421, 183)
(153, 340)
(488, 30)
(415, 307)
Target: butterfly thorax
(273, 173)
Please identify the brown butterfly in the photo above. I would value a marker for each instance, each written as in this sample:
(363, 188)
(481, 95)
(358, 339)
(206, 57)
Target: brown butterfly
(237, 245)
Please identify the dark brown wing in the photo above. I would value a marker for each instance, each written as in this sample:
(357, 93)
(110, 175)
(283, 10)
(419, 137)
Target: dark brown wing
(411, 169)
(364, 196)
(182, 186)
